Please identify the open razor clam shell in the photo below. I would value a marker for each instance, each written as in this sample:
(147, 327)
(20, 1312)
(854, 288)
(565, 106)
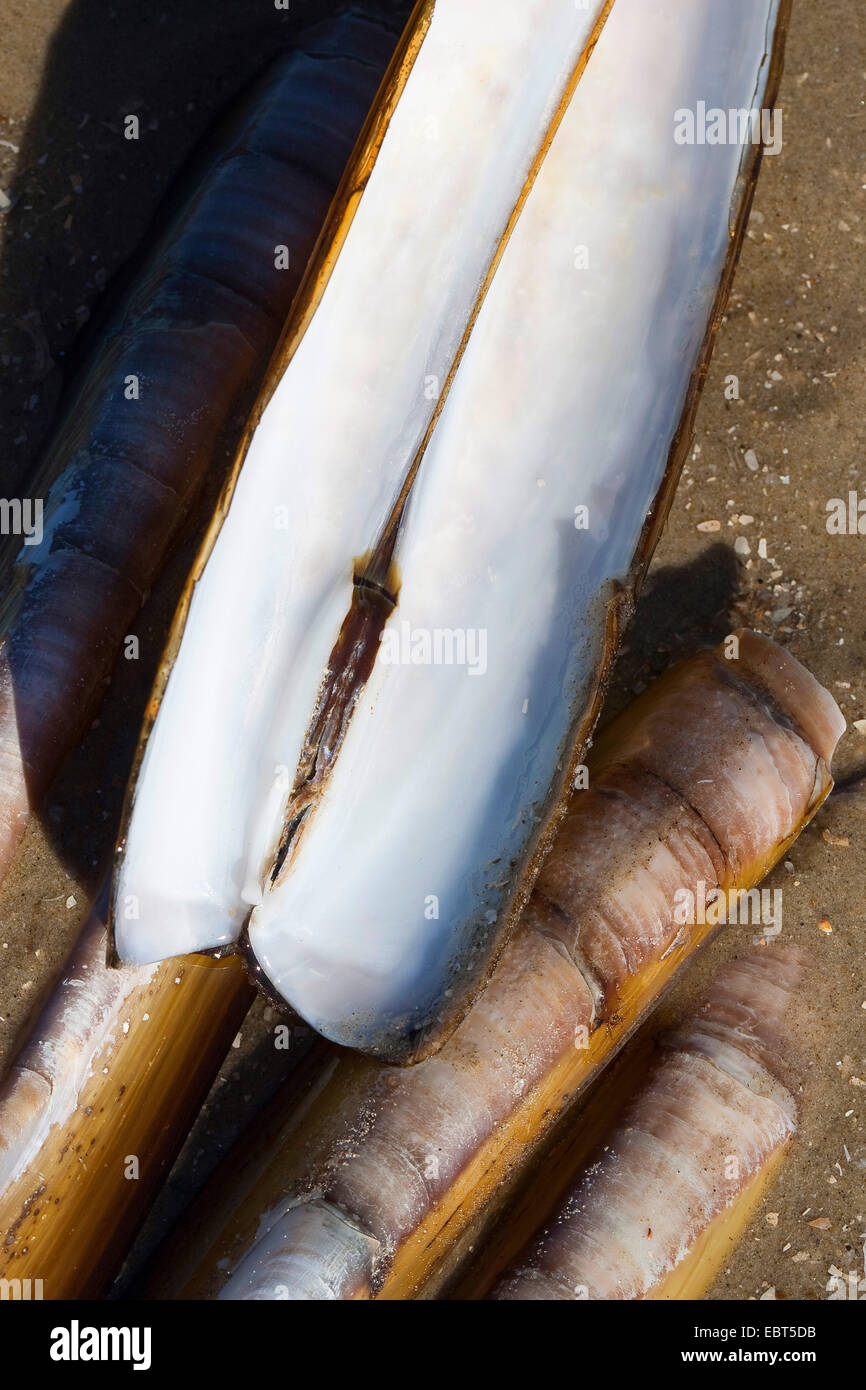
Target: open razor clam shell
(699, 1140)
(197, 327)
(370, 1183)
(377, 821)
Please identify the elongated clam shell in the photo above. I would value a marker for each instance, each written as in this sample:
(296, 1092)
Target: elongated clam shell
(116, 1067)
(197, 328)
(379, 818)
(406, 1158)
(119, 1061)
(717, 1111)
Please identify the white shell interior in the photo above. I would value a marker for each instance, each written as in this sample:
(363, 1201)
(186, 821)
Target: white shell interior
(327, 462)
(569, 395)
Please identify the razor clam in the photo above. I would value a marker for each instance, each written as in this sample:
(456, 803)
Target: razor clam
(460, 394)
(693, 1152)
(362, 1186)
(144, 1045)
(197, 328)
(116, 1068)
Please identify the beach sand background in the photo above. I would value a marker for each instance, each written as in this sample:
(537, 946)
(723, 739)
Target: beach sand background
(78, 199)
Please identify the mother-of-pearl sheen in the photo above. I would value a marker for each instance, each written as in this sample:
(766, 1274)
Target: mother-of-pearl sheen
(327, 462)
(570, 392)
